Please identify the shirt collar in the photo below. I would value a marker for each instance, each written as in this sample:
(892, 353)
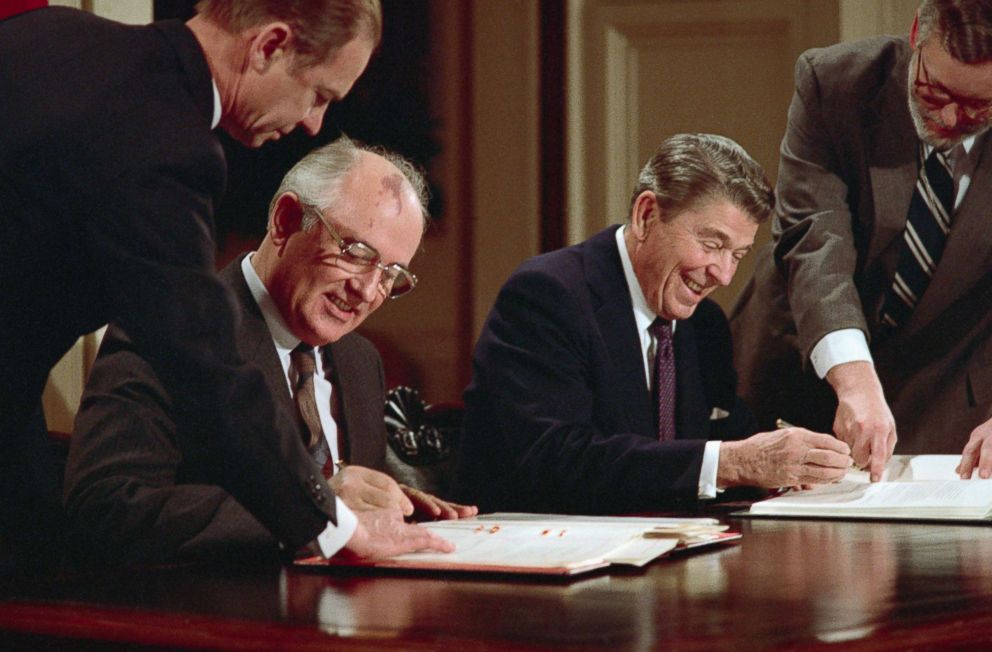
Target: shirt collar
(643, 315)
(281, 335)
(216, 117)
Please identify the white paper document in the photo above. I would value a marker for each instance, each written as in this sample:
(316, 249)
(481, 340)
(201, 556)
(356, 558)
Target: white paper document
(912, 487)
(552, 544)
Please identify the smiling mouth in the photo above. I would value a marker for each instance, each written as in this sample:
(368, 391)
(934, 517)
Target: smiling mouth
(340, 305)
(692, 285)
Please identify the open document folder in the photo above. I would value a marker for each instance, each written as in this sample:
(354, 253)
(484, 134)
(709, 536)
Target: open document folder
(551, 544)
(913, 487)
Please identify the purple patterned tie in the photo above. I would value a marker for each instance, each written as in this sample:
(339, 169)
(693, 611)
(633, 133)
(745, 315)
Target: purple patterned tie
(663, 375)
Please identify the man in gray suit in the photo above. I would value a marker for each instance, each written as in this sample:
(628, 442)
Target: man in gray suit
(342, 230)
(879, 277)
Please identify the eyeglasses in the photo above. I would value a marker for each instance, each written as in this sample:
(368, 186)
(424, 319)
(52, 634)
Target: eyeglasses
(934, 95)
(357, 257)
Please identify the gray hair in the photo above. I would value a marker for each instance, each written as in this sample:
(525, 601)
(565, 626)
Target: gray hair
(689, 169)
(318, 177)
(963, 26)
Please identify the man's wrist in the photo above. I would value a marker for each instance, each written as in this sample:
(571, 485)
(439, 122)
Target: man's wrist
(854, 376)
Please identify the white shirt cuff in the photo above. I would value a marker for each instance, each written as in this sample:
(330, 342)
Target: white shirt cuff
(838, 347)
(334, 537)
(707, 473)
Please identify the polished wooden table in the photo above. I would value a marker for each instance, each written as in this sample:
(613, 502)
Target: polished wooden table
(787, 585)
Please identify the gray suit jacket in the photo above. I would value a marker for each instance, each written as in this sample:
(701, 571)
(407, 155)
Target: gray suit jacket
(848, 167)
(136, 491)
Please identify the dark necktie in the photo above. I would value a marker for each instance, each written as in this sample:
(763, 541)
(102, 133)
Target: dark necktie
(927, 225)
(305, 363)
(663, 378)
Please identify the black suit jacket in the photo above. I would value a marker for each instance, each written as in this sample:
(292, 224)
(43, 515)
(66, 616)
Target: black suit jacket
(139, 489)
(109, 175)
(558, 414)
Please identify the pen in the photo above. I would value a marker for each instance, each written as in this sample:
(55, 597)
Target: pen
(782, 423)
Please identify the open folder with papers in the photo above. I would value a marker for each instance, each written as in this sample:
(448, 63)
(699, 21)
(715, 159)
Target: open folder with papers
(551, 544)
(913, 487)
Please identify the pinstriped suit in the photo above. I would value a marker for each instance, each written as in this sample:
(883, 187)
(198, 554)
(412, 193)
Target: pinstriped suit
(848, 167)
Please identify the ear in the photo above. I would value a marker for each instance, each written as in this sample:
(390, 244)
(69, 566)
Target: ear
(645, 208)
(914, 31)
(287, 217)
(270, 43)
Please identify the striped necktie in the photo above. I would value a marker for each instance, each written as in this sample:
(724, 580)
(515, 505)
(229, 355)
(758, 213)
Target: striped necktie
(663, 377)
(927, 225)
(305, 364)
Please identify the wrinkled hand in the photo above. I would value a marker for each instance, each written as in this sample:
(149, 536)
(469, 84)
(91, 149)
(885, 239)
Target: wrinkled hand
(783, 458)
(977, 453)
(430, 506)
(863, 418)
(383, 533)
(362, 489)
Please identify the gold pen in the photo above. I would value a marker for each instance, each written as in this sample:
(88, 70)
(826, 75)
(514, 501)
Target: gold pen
(782, 423)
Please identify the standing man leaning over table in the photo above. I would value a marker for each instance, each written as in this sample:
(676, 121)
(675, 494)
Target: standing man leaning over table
(603, 381)
(879, 279)
(109, 174)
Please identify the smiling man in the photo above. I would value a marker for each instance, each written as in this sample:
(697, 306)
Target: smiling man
(869, 313)
(343, 228)
(602, 381)
(109, 176)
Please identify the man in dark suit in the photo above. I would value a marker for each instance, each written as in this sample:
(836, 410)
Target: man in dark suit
(109, 173)
(583, 399)
(870, 310)
(137, 491)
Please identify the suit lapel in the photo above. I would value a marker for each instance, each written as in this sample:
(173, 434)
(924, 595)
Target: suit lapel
(691, 410)
(968, 251)
(352, 418)
(256, 347)
(614, 315)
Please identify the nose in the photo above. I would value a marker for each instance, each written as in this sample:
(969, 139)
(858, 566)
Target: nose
(366, 284)
(314, 119)
(949, 114)
(723, 269)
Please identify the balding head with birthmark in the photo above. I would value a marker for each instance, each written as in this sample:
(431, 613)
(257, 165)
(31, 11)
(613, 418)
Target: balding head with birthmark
(343, 228)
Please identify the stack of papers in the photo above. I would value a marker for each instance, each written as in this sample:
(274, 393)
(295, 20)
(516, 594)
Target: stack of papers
(552, 544)
(913, 487)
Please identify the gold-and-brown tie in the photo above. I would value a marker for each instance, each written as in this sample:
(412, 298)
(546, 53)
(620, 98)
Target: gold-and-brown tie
(305, 364)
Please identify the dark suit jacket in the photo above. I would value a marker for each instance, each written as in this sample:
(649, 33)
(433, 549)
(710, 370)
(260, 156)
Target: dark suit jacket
(109, 175)
(139, 489)
(558, 414)
(848, 167)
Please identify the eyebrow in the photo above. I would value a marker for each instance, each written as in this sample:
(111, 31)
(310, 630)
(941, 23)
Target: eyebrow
(710, 232)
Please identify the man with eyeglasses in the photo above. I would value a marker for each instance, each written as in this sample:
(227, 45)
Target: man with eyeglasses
(343, 227)
(879, 278)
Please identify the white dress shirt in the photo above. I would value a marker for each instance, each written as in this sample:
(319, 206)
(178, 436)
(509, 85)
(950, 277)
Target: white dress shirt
(850, 344)
(333, 538)
(643, 318)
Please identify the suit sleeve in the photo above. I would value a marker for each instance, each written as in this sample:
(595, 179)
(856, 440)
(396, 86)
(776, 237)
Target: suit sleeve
(533, 403)
(154, 244)
(126, 499)
(812, 228)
